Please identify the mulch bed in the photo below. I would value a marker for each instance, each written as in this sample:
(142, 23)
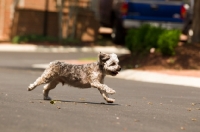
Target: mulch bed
(187, 57)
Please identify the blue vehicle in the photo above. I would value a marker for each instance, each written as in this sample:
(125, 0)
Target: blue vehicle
(124, 14)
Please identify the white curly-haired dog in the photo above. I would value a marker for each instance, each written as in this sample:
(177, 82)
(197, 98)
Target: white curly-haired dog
(82, 76)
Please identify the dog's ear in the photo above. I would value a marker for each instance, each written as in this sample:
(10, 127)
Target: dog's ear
(104, 57)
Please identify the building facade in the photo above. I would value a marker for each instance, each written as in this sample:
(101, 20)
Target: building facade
(45, 17)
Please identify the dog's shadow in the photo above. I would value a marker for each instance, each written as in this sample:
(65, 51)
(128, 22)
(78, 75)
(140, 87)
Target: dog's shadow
(82, 102)
(86, 102)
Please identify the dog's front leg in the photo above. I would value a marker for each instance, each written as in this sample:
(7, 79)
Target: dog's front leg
(103, 87)
(106, 97)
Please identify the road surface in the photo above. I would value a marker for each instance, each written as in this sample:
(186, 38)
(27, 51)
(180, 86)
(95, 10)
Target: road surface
(139, 106)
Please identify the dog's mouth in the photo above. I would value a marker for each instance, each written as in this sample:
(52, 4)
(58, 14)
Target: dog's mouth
(114, 72)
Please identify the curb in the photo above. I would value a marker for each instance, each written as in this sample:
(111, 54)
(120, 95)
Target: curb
(155, 77)
(60, 49)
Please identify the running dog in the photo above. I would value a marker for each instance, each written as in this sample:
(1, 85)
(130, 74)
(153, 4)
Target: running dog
(82, 76)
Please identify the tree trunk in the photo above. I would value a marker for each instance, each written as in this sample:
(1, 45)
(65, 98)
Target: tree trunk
(196, 22)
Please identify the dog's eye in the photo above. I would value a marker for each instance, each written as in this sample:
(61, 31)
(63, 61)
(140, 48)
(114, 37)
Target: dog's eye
(112, 64)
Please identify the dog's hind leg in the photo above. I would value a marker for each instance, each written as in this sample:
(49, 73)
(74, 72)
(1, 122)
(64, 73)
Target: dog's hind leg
(38, 82)
(48, 75)
(51, 85)
(106, 97)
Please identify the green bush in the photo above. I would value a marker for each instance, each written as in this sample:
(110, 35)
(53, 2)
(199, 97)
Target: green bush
(33, 38)
(141, 40)
(71, 41)
(135, 39)
(168, 41)
(19, 39)
(152, 36)
(40, 38)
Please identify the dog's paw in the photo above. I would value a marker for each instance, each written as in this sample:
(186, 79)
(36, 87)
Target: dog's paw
(30, 87)
(109, 100)
(47, 98)
(110, 91)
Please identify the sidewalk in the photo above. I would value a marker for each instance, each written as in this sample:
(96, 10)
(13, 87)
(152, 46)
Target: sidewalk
(66, 49)
(183, 78)
(161, 77)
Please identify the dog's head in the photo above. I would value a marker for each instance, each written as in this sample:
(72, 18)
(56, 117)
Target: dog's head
(109, 63)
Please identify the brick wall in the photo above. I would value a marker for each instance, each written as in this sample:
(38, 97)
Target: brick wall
(29, 17)
(28, 21)
(5, 19)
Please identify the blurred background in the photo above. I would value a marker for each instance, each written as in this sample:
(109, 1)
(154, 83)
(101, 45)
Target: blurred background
(52, 18)
(84, 20)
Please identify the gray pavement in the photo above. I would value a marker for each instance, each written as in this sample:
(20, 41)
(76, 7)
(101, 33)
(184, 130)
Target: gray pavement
(139, 107)
(138, 75)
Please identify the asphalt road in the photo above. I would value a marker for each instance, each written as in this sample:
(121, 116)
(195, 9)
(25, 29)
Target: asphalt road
(139, 106)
